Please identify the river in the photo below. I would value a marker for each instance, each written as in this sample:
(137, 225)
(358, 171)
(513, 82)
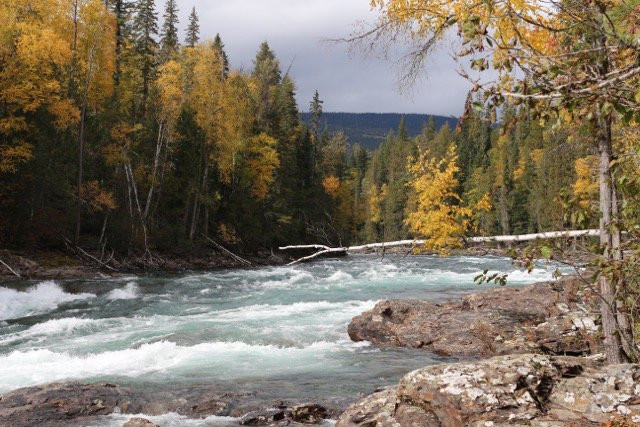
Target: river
(278, 332)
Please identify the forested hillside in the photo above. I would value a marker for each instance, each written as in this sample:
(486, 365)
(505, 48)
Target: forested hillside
(370, 129)
(117, 136)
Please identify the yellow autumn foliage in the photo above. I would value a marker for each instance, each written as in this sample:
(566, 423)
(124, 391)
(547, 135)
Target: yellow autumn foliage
(375, 201)
(586, 187)
(440, 216)
(331, 185)
(262, 162)
(424, 18)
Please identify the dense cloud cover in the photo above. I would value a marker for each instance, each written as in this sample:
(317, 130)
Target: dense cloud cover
(295, 29)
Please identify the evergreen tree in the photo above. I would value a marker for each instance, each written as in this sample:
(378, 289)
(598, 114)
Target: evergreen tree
(315, 108)
(218, 45)
(193, 29)
(169, 35)
(402, 130)
(473, 139)
(122, 11)
(266, 74)
(145, 27)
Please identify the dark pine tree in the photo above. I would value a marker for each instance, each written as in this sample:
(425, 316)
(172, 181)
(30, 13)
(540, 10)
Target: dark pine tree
(315, 108)
(193, 29)
(169, 34)
(218, 46)
(122, 11)
(266, 72)
(145, 27)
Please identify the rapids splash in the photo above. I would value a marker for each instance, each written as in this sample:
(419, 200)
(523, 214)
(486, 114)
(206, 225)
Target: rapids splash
(275, 331)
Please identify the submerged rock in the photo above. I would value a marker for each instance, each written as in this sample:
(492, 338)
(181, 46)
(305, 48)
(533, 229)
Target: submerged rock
(286, 415)
(548, 318)
(527, 389)
(139, 422)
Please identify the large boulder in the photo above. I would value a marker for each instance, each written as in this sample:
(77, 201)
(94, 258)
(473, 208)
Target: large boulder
(547, 318)
(526, 389)
(54, 404)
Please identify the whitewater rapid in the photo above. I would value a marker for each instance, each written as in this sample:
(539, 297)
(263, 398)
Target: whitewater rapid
(279, 330)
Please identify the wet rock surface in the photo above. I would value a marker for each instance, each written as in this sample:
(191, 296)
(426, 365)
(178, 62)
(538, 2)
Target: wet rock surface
(79, 404)
(552, 318)
(520, 390)
(139, 422)
(284, 415)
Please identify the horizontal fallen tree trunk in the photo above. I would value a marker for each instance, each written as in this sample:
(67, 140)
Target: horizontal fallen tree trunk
(535, 236)
(323, 249)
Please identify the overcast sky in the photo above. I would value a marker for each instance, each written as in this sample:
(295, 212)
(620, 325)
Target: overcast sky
(295, 30)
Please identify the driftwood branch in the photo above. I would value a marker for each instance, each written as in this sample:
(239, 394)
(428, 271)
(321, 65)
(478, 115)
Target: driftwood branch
(82, 252)
(10, 269)
(322, 249)
(319, 247)
(317, 254)
(535, 236)
(229, 253)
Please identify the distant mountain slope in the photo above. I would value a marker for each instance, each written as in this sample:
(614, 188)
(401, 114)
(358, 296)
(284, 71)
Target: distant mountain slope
(370, 129)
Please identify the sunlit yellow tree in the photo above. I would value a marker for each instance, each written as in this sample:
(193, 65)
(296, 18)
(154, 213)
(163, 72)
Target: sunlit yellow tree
(439, 214)
(34, 51)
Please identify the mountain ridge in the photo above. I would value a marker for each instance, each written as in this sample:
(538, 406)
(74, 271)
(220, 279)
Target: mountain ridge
(370, 129)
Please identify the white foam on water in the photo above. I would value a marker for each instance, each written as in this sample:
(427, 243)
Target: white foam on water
(38, 299)
(263, 311)
(54, 327)
(173, 419)
(170, 419)
(382, 271)
(128, 292)
(59, 326)
(294, 278)
(536, 275)
(228, 359)
(339, 277)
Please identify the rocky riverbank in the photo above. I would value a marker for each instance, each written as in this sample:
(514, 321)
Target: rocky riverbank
(74, 404)
(552, 318)
(529, 379)
(515, 390)
(63, 265)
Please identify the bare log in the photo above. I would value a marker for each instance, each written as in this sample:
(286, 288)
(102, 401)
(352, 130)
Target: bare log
(229, 253)
(322, 249)
(385, 245)
(10, 269)
(78, 250)
(535, 236)
(317, 254)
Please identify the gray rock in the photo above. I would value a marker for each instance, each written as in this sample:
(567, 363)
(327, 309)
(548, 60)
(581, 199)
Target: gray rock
(525, 389)
(139, 422)
(544, 318)
(265, 417)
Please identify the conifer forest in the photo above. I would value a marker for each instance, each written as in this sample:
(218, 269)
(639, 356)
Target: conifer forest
(118, 131)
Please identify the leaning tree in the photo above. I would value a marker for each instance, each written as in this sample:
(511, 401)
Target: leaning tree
(570, 60)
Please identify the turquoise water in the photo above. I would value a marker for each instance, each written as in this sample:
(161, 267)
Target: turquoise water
(276, 331)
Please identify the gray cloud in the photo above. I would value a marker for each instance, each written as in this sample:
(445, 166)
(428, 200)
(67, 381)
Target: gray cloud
(295, 30)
